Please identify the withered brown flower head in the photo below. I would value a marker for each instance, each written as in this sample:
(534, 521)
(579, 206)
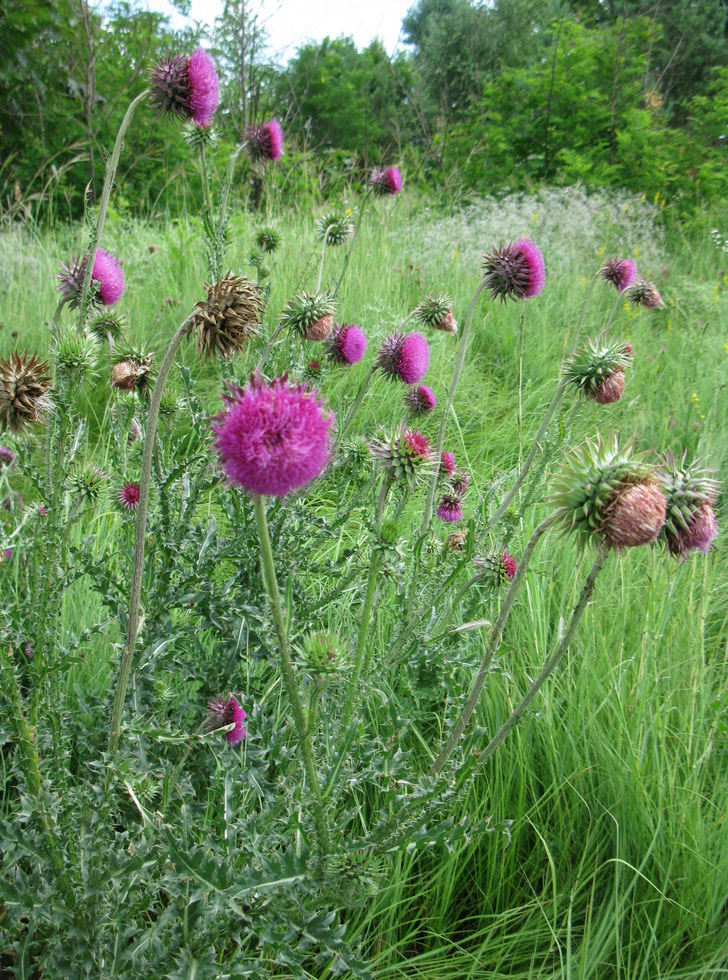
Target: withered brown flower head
(24, 386)
(229, 316)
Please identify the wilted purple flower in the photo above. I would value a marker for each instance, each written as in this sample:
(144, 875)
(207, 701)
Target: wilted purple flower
(106, 274)
(272, 437)
(636, 515)
(186, 87)
(644, 293)
(347, 344)
(420, 399)
(128, 496)
(404, 357)
(460, 481)
(265, 141)
(703, 530)
(226, 711)
(450, 508)
(515, 271)
(621, 273)
(7, 458)
(386, 181)
(610, 390)
(447, 463)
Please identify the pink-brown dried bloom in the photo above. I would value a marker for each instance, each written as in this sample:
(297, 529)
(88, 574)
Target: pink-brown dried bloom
(273, 437)
(226, 711)
(645, 293)
(610, 390)
(635, 516)
(703, 530)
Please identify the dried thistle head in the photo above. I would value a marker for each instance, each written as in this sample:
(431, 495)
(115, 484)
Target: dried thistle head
(597, 370)
(644, 293)
(310, 315)
(690, 492)
(24, 386)
(132, 370)
(334, 228)
(229, 317)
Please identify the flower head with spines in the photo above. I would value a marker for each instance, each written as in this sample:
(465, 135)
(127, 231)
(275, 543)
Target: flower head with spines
(515, 271)
(690, 493)
(420, 400)
(450, 508)
(310, 315)
(334, 228)
(74, 354)
(223, 712)
(132, 370)
(24, 391)
(129, 495)
(321, 650)
(347, 344)
(89, 483)
(185, 87)
(644, 293)
(267, 240)
(497, 567)
(104, 324)
(107, 280)
(229, 317)
(606, 493)
(406, 455)
(592, 370)
(265, 141)
(436, 312)
(405, 357)
(620, 273)
(385, 181)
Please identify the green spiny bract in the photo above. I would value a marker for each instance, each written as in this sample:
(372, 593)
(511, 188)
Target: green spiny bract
(321, 650)
(594, 364)
(436, 312)
(132, 369)
(387, 533)
(334, 228)
(405, 455)
(88, 483)
(169, 404)
(74, 354)
(105, 324)
(590, 481)
(200, 136)
(229, 317)
(496, 568)
(267, 240)
(309, 315)
(687, 488)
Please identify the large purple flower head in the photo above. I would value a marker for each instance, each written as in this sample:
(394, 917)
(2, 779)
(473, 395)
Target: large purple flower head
(405, 357)
(265, 141)
(273, 437)
(386, 181)
(515, 271)
(222, 712)
(621, 273)
(186, 87)
(347, 344)
(450, 509)
(107, 276)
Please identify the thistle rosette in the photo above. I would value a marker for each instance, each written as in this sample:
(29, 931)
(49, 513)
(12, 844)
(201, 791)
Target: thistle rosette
(229, 317)
(497, 567)
(321, 650)
(132, 370)
(265, 141)
(223, 712)
(436, 312)
(597, 370)
(404, 357)
(620, 273)
(690, 492)
(515, 271)
(385, 181)
(24, 391)
(644, 293)
(107, 280)
(272, 437)
(334, 228)
(347, 344)
(405, 456)
(310, 315)
(605, 493)
(267, 240)
(420, 400)
(185, 87)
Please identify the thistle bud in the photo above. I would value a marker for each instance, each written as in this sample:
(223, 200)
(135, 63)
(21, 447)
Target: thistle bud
(597, 370)
(89, 484)
(436, 312)
(497, 567)
(334, 228)
(267, 240)
(309, 315)
(645, 293)
(406, 455)
(74, 354)
(321, 650)
(104, 324)
(690, 494)
(229, 317)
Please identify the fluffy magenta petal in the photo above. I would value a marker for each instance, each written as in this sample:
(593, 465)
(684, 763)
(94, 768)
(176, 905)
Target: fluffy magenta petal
(536, 266)
(413, 359)
(204, 87)
(107, 272)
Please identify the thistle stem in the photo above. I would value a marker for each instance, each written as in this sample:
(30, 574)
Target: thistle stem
(492, 647)
(111, 168)
(225, 193)
(141, 528)
(289, 677)
(269, 347)
(321, 263)
(347, 257)
(462, 350)
(520, 386)
(552, 663)
(356, 404)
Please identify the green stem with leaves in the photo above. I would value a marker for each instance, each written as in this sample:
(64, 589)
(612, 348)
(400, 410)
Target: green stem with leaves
(347, 257)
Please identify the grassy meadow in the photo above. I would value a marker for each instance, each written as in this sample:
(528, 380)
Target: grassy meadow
(597, 838)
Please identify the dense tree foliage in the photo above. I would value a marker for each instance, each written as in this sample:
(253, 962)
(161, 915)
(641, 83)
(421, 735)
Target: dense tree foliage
(482, 96)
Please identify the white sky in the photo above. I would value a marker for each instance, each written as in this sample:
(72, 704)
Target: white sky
(290, 23)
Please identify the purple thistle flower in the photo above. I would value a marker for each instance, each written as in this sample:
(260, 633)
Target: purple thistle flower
(703, 530)
(510, 565)
(621, 273)
(515, 271)
(447, 463)
(8, 554)
(644, 293)
(204, 87)
(7, 457)
(460, 481)
(386, 181)
(265, 141)
(186, 87)
(272, 437)
(128, 496)
(347, 344)
(420, 399)
(450, 508)
(106, 273)
(404, 357)
(226, 711)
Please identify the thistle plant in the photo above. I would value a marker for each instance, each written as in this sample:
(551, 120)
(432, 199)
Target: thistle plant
(690, 494)
(310, 316)
(597, 369)
(332, 230)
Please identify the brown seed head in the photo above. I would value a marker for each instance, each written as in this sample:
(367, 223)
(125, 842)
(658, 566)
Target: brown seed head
(24, 387)
(229, 316)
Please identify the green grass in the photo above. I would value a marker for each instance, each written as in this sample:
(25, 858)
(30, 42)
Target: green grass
(606, 853)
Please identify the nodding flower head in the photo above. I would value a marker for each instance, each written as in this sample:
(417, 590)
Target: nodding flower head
(447, 463)
(405, 357)
(24, 386)
(450, 507)
(690, 493)
(621, 273)
(514, 271)
(605, 493)
(186, 87)
(265, 141)
(229, 317)
(436, 312)
(272, 437)
(460, 481)
(644, 293)
(597, 370)
(405, 455)
(420, 399)
(107, 280)
(268, 240)
(334, 228)
(497, 567)
(311, 315)
(129, 495)
(347, 344)
(132, 370)
(222, 712)
(385, 181)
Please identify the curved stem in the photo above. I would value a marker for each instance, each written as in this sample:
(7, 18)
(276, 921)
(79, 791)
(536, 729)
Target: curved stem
(347, 257)
(111, 168)
(321, 264)
(493, 644)
(141, 528)
(612, 314)
(269, 347)
(289, 677)
(356, 404)
(550, 664)
(462, 350)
